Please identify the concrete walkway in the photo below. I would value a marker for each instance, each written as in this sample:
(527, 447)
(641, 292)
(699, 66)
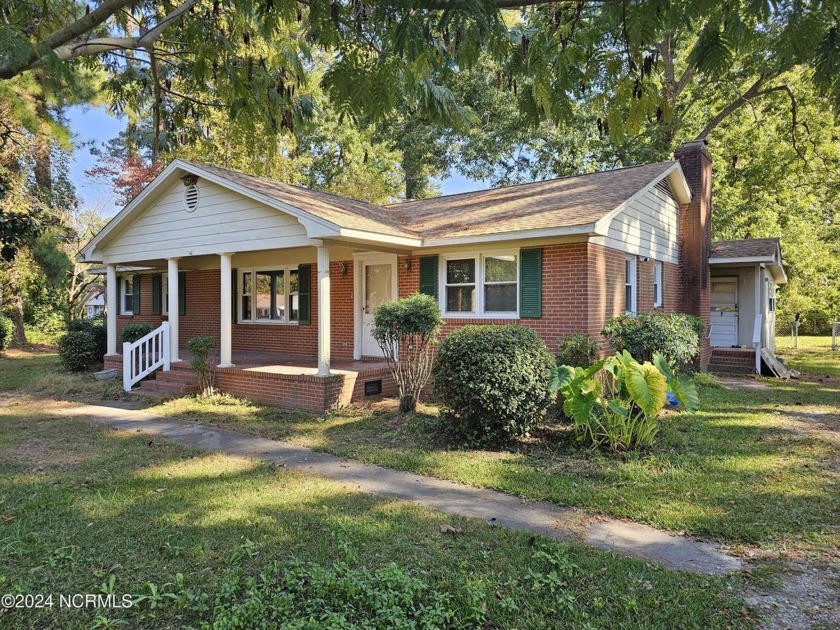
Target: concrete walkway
(496, 508)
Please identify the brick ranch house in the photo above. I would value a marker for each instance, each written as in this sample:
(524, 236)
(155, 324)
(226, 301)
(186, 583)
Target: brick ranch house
(285, 279)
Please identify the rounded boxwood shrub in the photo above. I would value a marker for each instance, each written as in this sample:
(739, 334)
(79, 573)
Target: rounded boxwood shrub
(133, 332)
(78, 350)
(97, 329)
(675, 336)
(7, 329)
(492, 382)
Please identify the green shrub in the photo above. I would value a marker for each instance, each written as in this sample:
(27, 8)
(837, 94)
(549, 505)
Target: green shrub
(7, 329)
(133, 332)
(312, 596)
(199, 349)
(616, 402)
(675, 336)
(406, 330)
(77, 350)
(577, 350)
(96, 328)
(492, 382)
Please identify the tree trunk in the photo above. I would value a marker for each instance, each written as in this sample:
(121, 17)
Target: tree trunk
(408, 404)
(19, 336)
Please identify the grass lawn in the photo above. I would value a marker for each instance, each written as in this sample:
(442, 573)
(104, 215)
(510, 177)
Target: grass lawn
(84, 509)
(813, 356)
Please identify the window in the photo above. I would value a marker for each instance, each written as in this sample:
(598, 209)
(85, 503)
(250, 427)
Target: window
(481, 284)
(127, 290)
(630, 284)
(269, 295)
(657, 284)
(164, 294)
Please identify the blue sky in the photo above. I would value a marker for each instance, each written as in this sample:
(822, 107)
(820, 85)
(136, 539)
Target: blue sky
(96, 124)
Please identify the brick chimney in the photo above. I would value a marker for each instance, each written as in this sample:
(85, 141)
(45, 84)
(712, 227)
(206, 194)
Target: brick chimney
(696, 237)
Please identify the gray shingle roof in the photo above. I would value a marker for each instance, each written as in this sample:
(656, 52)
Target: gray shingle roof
(746, 248)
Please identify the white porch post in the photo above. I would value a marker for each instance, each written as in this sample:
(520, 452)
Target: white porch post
(111, 306)
(225, 350)
(323, 311)
(174, 310)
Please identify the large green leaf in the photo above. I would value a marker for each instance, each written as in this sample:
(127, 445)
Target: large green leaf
(686, 392)
(560, 378)
(646, 386)
(580, 407)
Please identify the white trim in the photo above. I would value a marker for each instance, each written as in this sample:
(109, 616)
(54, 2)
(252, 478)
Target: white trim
(587, 229)
(657, 284)
(360, 259)
(122, 294)
(287, 293)
(746, 259)
(634, 285)
(479, 258)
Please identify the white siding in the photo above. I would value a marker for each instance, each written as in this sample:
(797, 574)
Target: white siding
(648, 226)
(223, 221)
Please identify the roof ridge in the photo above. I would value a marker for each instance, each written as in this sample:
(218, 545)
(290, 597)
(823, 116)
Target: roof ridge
(537, 181)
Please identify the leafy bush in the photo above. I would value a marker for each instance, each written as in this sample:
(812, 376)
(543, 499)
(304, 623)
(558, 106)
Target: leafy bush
(406, 329)
(7, 329)
(577, 350)
(133, 332)
(616, 402)
(96, 328)
(312, 596)
(77, 350)
(675, 336)
(199, 349)
(492, 382)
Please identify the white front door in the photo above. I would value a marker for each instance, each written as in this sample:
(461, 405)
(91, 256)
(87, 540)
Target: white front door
(378, 281)
(724, 313)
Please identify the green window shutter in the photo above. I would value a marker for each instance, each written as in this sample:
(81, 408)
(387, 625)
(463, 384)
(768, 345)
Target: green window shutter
(304, 294)
(234, 292)
(156, 293)
(429, 276)
(182, 293)
(530, 283)
(135, 294)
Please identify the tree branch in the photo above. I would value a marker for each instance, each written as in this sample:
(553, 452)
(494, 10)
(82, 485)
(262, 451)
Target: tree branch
(753, 91)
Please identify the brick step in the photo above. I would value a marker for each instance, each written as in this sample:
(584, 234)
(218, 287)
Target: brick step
(731, 369)
(177, 376)
(166, 387)
(733, 361)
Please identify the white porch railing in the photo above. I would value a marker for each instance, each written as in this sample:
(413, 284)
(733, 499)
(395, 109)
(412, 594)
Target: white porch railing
(145, 355)
(757, 325)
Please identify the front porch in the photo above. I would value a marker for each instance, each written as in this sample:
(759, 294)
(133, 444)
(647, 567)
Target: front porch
(277, 379)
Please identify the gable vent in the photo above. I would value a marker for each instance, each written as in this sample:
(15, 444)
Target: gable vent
(191, 197)
(665, 189)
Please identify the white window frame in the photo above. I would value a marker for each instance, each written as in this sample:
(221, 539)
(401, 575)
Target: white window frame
(478, 257)
(631, 264)
(657, 284)
(123, 281)
(287, 295)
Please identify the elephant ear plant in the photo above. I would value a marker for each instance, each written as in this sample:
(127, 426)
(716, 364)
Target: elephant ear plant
(615, 403)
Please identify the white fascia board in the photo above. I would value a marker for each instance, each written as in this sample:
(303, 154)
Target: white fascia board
(587, 230)
(672, 173)
(747, 260)
(377, 237)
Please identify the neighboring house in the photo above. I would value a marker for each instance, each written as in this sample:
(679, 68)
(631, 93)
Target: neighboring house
(93, 303)
(286, 279)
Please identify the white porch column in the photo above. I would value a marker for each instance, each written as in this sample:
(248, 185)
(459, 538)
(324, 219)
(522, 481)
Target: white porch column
(111, 307)
(174, 309)
(225, 350)
(323, 311)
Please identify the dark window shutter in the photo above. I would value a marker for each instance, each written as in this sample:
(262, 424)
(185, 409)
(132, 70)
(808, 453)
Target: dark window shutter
(135, 294)
(156, 293)
(304, 294)
(530, 283)
(234, 292)
(182, 293)
(429, 276)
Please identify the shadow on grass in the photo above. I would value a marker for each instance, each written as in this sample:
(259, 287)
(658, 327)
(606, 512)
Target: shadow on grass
(145, 510)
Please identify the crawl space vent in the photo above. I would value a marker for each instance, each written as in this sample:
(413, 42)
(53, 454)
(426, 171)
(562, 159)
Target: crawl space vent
(373, 388)
(191, 197)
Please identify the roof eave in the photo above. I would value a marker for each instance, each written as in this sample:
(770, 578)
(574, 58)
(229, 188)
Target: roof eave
(587, 229)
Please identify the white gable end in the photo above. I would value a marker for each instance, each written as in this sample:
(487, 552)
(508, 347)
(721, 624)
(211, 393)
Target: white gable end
(647, 226)
(222, 221)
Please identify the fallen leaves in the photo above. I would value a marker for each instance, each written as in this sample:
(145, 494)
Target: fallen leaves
(448, 529)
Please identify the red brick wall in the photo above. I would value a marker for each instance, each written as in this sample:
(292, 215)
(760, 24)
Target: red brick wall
(696, 238)
(203, 316)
